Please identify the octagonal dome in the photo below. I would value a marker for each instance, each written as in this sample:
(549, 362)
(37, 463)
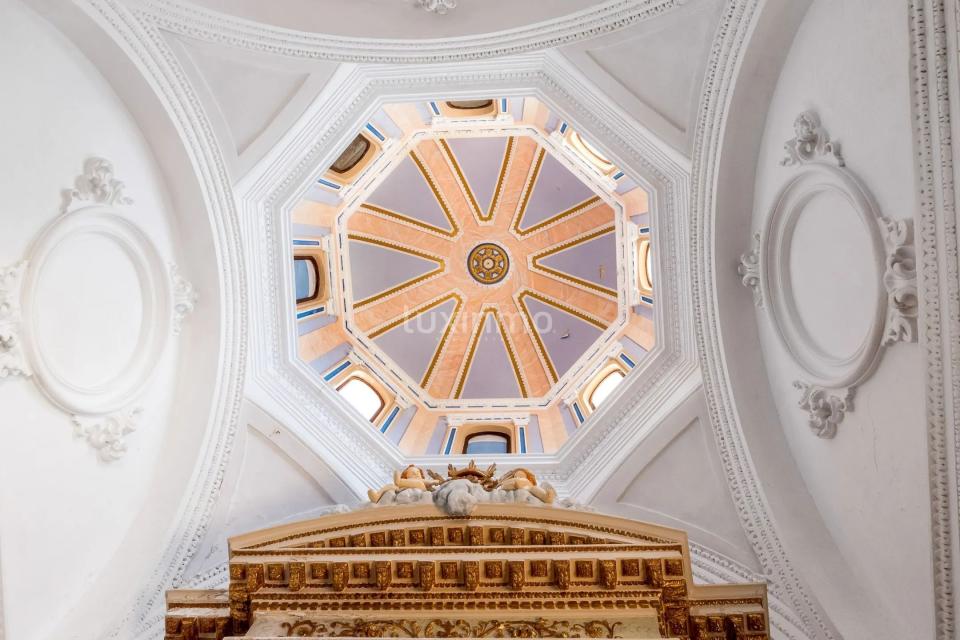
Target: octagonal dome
(473, 276)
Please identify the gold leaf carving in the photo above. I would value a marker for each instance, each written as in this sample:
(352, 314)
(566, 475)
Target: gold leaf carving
(539, 628)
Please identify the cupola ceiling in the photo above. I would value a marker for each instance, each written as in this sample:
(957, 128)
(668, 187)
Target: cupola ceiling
(482, 257)
(483, 267)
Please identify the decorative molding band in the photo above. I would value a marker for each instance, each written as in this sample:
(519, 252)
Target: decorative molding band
(12, 359)
(824, 409)
(810, 143)
(729, 49)
(932, 87)
(190, 20)
(96, 185)
(106, 433)
(184, 298)
(749, 270)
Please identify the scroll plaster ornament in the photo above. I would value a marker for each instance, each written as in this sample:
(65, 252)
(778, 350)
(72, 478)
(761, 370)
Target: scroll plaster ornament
(106, 433)
(96, 185)
(825, 410)
(437, 6)
(12, 360)
(749, 270)
(184, 298)
(811, 142)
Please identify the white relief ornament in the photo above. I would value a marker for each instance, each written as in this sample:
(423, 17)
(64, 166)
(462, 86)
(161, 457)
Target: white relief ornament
(106, 433)
(749, 270)
(10, 280)
(437, 6)
(184, 298)
(96, 185)
(12, 361)
(825, 410)
(900, 281)
(811, 142)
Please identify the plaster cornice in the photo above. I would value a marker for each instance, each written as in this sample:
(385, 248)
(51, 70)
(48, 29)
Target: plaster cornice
(196, 22)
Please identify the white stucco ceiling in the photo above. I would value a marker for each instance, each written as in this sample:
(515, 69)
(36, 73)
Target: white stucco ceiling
(219, 122)
(400, 19)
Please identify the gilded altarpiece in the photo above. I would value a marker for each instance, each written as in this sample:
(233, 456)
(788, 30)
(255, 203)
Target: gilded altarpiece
(504, 570)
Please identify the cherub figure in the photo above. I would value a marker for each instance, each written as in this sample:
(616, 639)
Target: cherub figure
(524, 479)
(811, 140)
(409, 478)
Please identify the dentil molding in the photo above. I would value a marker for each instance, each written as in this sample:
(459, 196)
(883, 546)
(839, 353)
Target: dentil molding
(830, 380)
(102, 411)
(934, 86)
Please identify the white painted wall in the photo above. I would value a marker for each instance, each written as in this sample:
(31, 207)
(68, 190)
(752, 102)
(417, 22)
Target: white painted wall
(63, 512)
(850, 62)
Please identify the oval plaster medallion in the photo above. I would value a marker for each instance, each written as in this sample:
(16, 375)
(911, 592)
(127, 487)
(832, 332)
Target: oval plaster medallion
(826, 300)
(96, 311)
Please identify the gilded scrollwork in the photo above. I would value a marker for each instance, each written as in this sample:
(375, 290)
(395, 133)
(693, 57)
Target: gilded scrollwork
(340, 575)
(384, 575)
(539, 628)
(363, 587)
(471, 575)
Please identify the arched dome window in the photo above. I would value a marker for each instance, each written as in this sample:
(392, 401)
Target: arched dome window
(486, 443)
(606, 386)
(590, 153)
(470, 104)
(352, 155)
(364, 398)
(306, 275)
